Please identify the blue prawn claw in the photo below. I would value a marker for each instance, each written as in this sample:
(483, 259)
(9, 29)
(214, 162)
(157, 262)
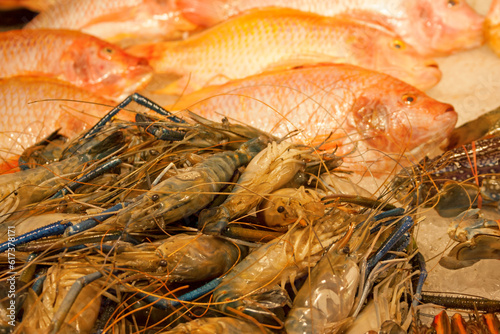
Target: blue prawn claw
(471, 223)
(478, 237)
(465, 254)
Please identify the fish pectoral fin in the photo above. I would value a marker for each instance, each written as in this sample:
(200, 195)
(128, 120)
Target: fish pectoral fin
(301, 61)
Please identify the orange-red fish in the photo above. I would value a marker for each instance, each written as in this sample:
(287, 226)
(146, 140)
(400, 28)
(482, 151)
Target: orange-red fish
(25, 121)
(80, 59)
(114, 20)
(374, 117)
(35, 5)
(278, 38)
(433, 27)
(492, 27)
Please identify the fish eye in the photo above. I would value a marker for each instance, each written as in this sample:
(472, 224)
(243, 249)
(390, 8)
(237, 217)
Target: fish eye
(398, 44)
(107, 52)
(453, 3)
(280, 209)
(409, 99)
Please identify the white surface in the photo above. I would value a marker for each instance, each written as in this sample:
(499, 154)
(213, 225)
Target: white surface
(471, 83)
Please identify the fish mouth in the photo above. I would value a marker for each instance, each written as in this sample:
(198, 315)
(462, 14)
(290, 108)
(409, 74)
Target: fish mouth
(446, 121)
(428, 75)
(461, 40)
(442, 126)
(426, 139)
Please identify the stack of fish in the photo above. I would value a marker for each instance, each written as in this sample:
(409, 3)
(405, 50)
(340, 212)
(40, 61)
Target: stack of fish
(295, 96)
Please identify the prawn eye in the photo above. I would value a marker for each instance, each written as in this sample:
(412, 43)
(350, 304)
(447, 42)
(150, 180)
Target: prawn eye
(163, 263)
(398, 44)
(409, 99)
(453, 3)
(107, 52)
(155, 197)
(280, 209)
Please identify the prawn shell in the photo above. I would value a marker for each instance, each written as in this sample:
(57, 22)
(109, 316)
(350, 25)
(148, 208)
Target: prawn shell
(39, 312)
(282, 207)
(326, 298)
(195, 258)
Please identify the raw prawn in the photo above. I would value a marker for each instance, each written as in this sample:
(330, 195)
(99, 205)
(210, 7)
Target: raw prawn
(186, 193)
(277, 262)
(272, 168)
(30, 186)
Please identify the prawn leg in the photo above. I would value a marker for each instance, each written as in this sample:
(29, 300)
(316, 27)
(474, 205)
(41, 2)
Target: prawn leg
(139, 99)
(156, 130)
(401, 229)
(56, 228)
(59, 228)
(360, 200)
(89, 223)
(87, 177)
(164, 304)
(417, 297)
(70, 298)
(384, 215)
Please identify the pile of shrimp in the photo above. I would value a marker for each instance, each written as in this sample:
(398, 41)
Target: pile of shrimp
(197, 223)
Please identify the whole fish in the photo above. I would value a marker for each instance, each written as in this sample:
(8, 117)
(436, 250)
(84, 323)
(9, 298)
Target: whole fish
(80, 59)
(433, 27)
(115, 20)
(377, 120)
(239, 47)
(492, 27)
(25, 121)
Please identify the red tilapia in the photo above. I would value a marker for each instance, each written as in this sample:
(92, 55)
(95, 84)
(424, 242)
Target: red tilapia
(279, 38)
(377, 120)
(74, 57)
(433, 27)
(25, 121)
